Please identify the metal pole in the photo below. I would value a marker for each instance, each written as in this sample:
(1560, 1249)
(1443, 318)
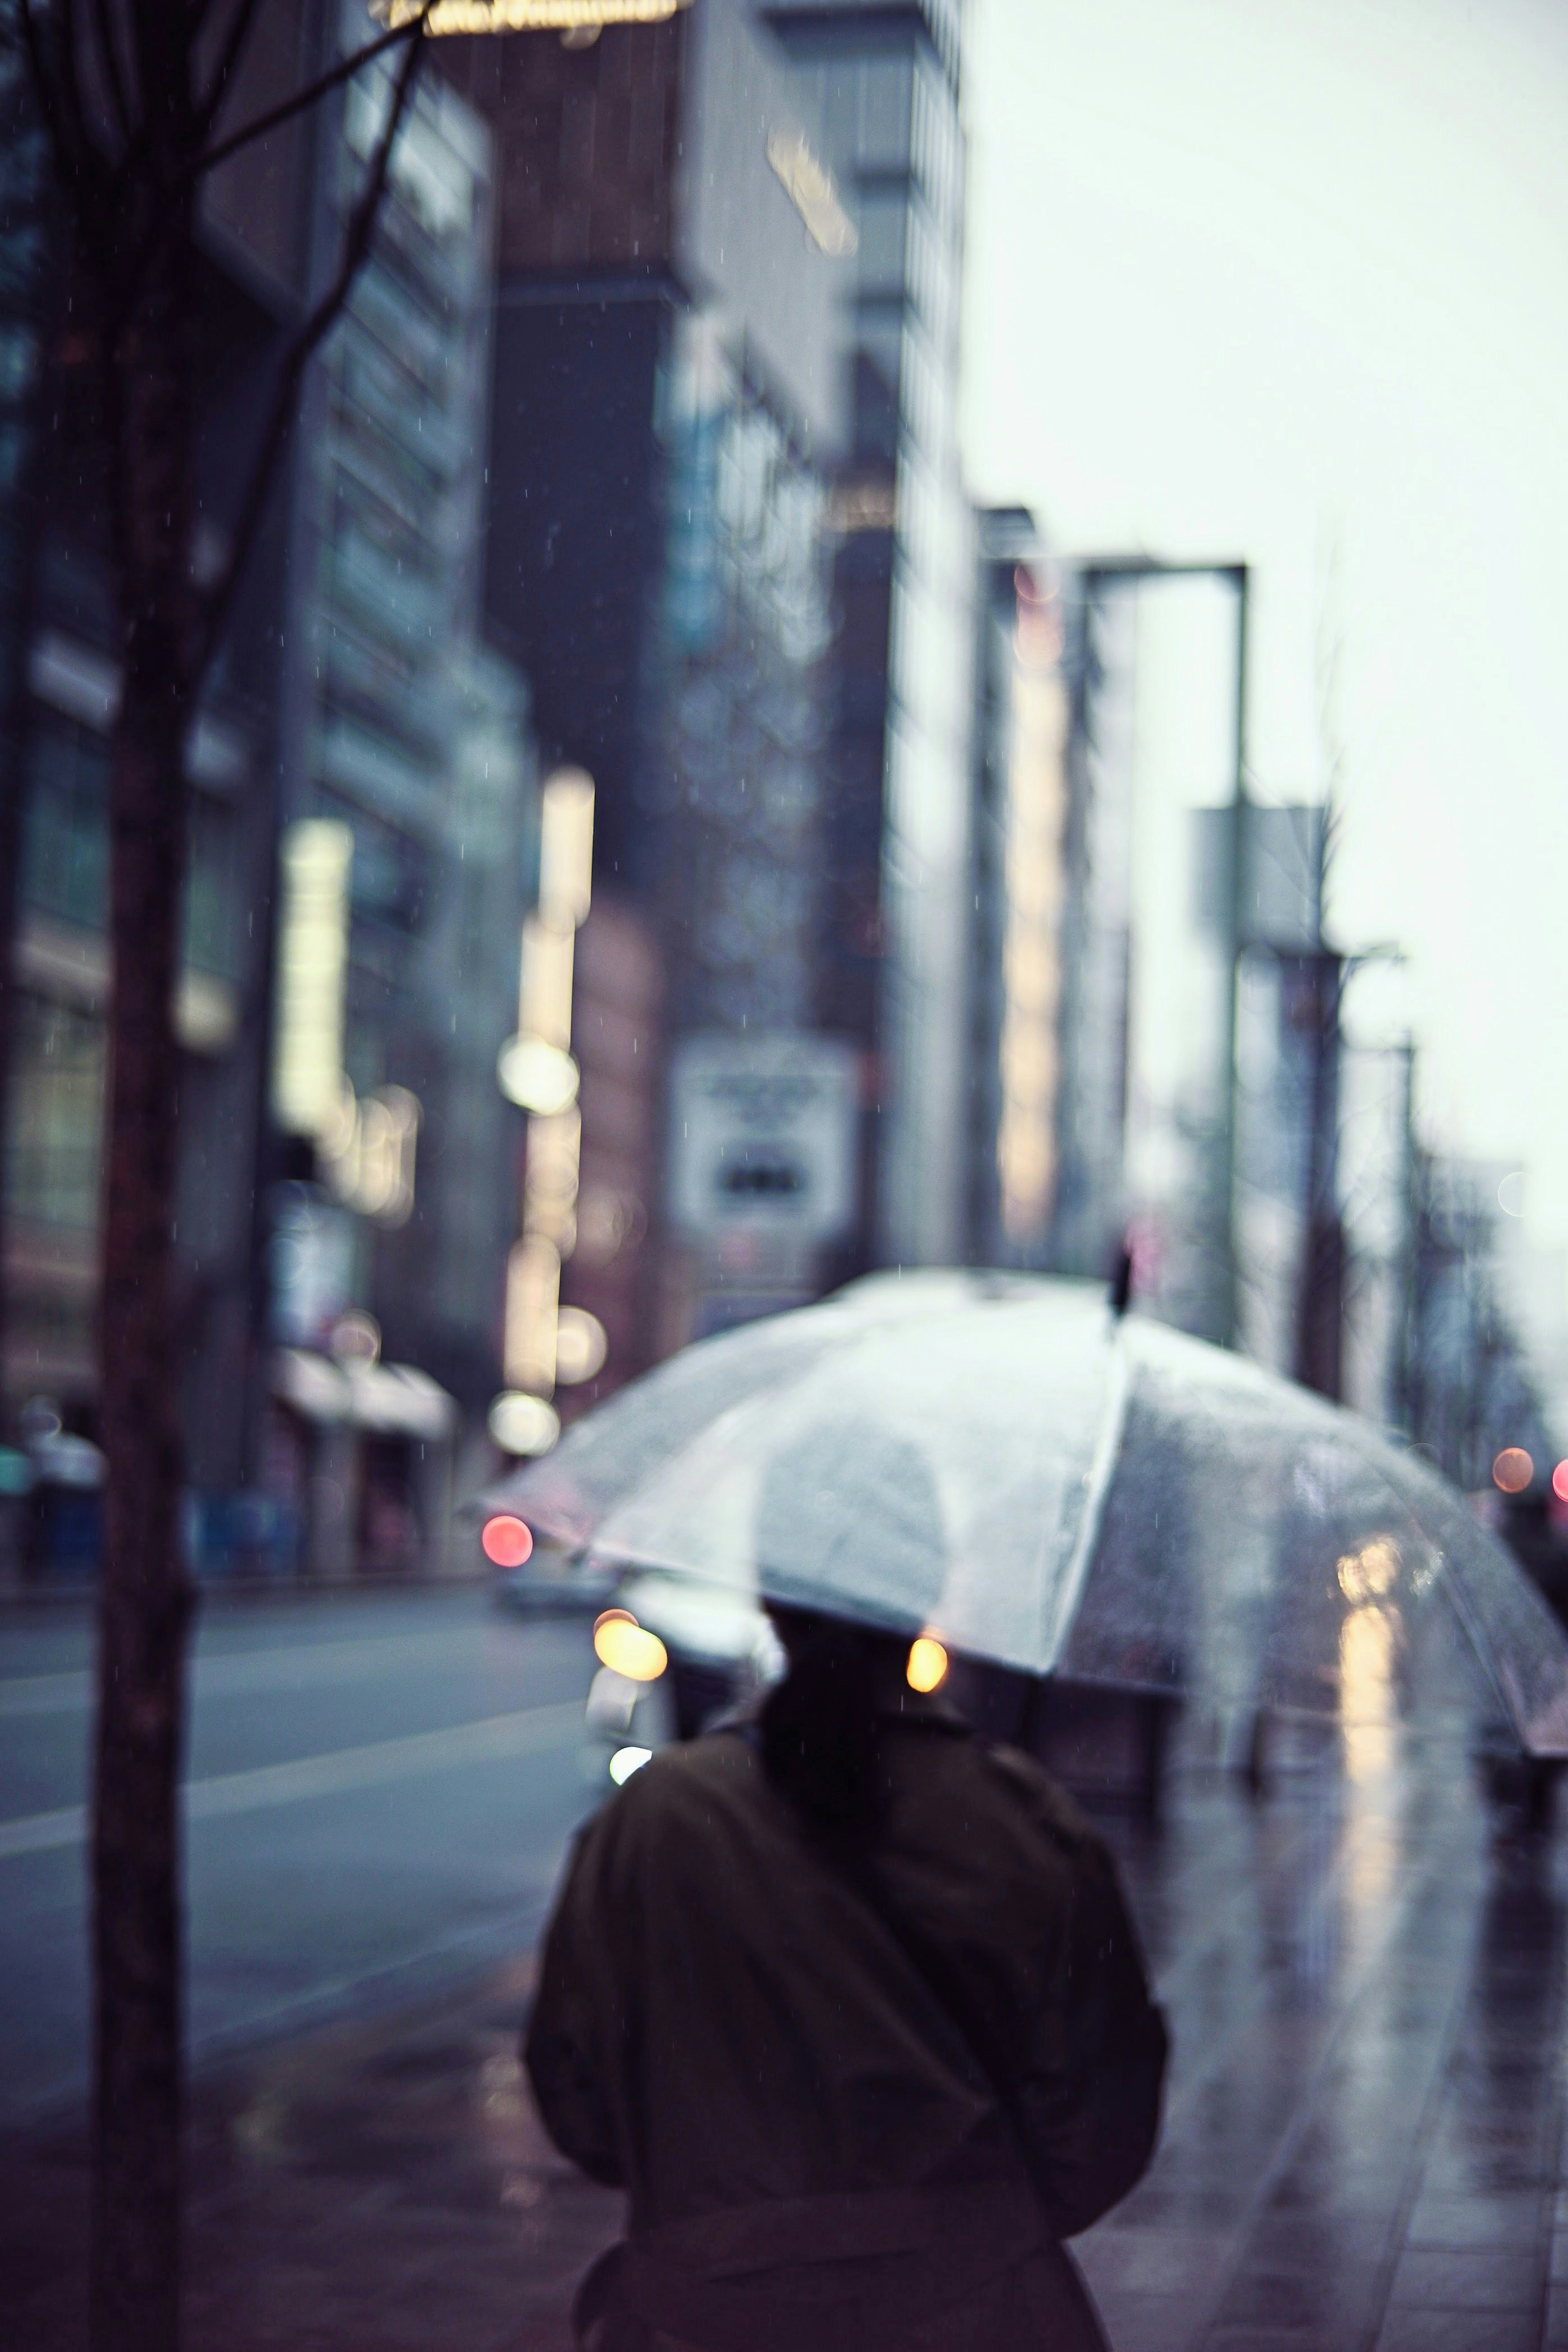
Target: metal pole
(1403, 1404)
(1225, 1173)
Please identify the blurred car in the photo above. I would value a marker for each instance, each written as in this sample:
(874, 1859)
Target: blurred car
(673, 1655)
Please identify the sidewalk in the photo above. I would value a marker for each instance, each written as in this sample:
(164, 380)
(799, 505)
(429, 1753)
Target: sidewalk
(1363, 2152)
(364, 2187)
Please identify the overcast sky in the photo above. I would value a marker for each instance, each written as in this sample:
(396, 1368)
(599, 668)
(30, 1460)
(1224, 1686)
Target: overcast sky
(1288, 279)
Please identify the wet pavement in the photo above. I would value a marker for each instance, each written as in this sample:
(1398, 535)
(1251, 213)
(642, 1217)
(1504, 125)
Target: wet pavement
(1363, 2149)
(380, 1786)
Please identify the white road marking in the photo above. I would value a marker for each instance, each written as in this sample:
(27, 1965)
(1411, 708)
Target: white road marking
(235, 1673)
(531, 1732)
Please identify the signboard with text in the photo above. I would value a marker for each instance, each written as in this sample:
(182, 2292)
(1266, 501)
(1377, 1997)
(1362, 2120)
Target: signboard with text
(762, 1136)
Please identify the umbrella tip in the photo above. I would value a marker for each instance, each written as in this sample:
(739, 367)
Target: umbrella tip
(1122, 1281)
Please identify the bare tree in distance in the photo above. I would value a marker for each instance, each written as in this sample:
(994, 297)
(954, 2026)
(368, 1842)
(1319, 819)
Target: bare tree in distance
(132, 95)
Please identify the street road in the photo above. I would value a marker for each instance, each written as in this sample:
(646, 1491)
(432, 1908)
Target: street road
(380, 1788)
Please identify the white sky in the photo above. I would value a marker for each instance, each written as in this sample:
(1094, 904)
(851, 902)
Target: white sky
(1274, 279)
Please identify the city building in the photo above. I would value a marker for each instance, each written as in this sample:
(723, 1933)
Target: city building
(674, 258)
(1107, 912)
(1052, 925)
(60, 650)
(887, 82)
(363, 845)
(408, 807)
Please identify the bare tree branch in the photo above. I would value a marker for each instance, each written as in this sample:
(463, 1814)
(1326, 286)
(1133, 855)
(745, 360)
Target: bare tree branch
(243, 17)
(108, 48)
(59, 106)
(357, 237)
(344, 70)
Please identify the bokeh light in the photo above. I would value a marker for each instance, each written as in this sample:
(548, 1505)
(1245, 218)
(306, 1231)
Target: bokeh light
(506, 1541)
(927, 1668)
(628, 1648)
(627, 1760)
(1560, 1482)
(1370, 1573)
(1513, 1470)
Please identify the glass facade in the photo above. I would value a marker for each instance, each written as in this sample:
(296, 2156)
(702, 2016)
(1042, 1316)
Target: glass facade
(410, 733)
(739, 699)
(53, 1160)
(888, 86)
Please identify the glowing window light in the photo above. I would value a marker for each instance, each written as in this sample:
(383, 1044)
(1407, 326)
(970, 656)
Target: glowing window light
(550, 1185)
(449, 17)
(627, 1760)
(1512, 1471)
(628, 1648)
(812, 190)
(369, 1156)
(1031, 963)
(1560, 1482)
(927, 1667)
(506, 1541)
(523, 1424)
(544, 997)
(533, 1295)
(537, 1077)
(580, 1346)
(566, 847)
(1372, 1573)
(314, 858)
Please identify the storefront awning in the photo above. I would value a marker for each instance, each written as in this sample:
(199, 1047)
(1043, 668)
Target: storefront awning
(389, 1399)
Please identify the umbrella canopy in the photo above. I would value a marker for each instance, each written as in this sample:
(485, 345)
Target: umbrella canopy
(997, 1458)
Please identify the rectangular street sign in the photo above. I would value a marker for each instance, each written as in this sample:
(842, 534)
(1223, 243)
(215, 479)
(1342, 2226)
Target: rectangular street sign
(762, 1135)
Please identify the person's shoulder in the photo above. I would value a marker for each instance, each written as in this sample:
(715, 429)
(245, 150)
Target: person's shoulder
(687, 1774)
(1029, 1786)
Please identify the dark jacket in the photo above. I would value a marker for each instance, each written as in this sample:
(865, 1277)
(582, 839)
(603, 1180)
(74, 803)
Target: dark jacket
(815, 2156)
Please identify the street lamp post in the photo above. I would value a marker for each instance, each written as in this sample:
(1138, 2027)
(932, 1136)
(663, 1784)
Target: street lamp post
(1133, 569)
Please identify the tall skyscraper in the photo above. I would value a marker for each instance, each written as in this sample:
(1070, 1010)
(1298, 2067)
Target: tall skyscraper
(888, 84)
(675, 253)
(408, 808)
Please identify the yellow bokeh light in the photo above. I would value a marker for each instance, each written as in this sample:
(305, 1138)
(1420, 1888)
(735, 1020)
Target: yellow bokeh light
(927, 1668)
(1368, 1650)
(628, 1648)
(1370, 1573)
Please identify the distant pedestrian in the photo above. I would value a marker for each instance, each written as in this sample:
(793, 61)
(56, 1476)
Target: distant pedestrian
(848, 2000)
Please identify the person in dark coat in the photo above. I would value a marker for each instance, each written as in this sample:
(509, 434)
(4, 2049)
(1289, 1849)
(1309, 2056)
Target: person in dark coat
(848, 2002)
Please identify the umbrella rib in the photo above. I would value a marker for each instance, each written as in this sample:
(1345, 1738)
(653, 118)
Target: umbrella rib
(1097, 1486)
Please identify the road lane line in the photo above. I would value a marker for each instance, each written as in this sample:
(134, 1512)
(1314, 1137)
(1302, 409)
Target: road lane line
(532, 1731)
(233, 1674)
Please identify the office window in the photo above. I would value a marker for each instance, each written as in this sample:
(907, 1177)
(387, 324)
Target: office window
(65, 842)
(53, 1136)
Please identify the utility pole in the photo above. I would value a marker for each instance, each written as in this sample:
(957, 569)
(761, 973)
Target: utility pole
(1230, 1296)
(1320, 1298)
(1405, 1403)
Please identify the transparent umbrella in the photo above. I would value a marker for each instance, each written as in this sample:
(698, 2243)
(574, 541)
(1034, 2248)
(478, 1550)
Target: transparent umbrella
(999, 1460)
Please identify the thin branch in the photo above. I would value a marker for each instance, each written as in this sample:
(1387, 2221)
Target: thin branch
(238, 33)
(103, 25)
(344, 70)
(356, 246)
(56, 106)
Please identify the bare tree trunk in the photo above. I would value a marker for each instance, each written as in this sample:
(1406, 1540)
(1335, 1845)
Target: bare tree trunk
(132, 194)
(23, 200)
(146, 1596)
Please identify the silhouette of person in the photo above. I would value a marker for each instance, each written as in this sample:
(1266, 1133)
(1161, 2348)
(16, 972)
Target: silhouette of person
(847, 1999)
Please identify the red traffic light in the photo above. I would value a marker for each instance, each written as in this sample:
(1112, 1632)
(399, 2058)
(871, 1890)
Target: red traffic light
(506, 1541)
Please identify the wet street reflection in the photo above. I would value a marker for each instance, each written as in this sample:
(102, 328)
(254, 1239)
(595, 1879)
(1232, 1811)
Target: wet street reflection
(1362, 2143)
(1362, 1968)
